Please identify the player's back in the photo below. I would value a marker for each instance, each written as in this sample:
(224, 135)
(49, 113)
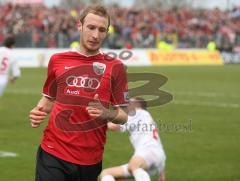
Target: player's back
(6, 60)
(142, 130)
(8, 64)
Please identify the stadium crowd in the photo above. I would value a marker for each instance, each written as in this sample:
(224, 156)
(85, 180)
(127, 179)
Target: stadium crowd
(41, 26)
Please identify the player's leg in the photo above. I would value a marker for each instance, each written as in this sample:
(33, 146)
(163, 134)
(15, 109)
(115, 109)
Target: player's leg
(162, 176)
(137, 162)
(3, 85)
(110, 174)
(138, 166)
(158, 167)
(89, 172)
(150, 159)
(50, 168)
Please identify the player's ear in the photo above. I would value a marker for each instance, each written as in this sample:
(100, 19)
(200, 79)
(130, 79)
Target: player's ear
(79, 25)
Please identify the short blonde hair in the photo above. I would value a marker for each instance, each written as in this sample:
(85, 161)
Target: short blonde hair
(96, 9)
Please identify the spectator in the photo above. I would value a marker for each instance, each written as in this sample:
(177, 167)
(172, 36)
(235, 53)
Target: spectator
(40, 26)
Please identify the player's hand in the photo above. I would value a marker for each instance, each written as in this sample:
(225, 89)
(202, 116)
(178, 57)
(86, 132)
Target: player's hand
(113, 127)
(96, 110)
(37, 116)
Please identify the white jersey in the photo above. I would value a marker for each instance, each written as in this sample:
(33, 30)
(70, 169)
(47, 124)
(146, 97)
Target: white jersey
(8, 63)
(145, 140)
(142, 130)
(8, 67)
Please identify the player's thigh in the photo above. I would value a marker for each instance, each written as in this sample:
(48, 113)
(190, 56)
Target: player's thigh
(137, 162)
(152, 157)
(49, 168)
(116, 172)
(90, 172)
(49, 174)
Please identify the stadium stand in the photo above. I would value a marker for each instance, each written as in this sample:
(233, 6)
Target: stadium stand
(41, 26)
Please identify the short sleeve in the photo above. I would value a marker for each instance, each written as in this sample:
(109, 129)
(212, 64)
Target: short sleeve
(119, 86)
(50, 85)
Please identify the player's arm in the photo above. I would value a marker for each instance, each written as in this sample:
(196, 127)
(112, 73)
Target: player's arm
(118, 115)
(40, 112)
(113, 127)
(46, 103)
(15, 71)
(96, 110)
(119, 97)
(44, 106)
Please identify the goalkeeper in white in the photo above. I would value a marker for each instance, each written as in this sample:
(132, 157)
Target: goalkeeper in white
(149, 157)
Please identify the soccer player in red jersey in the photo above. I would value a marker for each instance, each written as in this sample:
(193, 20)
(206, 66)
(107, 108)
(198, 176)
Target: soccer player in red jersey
(81, 86)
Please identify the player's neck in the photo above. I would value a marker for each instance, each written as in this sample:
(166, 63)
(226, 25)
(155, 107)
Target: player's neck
(86, 52)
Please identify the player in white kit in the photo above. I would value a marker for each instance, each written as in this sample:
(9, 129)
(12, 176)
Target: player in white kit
(149, 157)
(9, 69)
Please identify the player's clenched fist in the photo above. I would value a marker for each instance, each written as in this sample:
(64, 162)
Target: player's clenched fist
(37, 116)
(96, 110)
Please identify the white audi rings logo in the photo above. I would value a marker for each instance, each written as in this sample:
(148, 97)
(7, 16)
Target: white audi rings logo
(85, 82)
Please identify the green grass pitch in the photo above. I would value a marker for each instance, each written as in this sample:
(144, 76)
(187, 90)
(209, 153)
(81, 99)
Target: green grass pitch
(208, 97)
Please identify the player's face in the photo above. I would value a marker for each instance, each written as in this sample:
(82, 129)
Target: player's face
(132, 104)
(92, 32)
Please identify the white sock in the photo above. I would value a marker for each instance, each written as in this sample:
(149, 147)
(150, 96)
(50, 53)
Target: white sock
(108, 178)
(141, 175)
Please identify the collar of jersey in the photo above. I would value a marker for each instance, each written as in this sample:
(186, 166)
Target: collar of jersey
(75, 49)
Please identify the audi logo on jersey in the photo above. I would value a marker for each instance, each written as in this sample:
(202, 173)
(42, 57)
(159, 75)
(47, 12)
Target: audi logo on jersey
(83, 82)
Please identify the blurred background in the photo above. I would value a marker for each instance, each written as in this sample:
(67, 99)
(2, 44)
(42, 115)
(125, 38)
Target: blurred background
(194, 43)
(135, 23)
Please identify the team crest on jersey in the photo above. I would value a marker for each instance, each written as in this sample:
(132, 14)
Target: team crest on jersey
(126, 96)
(99, 68)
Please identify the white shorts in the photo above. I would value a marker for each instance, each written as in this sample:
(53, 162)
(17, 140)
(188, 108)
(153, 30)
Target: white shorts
(154, 158)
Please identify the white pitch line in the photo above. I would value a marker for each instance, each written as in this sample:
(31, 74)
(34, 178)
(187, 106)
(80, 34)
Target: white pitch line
(205, 94)
(186, 93)
(207, 103)
(23, 91)
(7, 154)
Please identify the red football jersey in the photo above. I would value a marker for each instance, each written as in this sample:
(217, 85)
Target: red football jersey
(73, 80)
